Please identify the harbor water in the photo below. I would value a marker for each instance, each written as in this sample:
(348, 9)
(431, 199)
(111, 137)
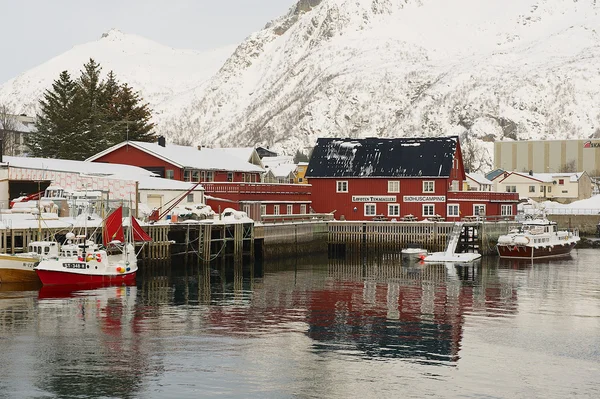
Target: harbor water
(362, 326)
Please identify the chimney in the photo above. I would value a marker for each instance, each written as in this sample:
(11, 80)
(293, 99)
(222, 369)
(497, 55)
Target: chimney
(161, 141)
(199, 147)
(530, 172)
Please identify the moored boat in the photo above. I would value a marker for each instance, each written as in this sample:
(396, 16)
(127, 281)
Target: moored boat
(538, 238)
(82, 261)
(19, 268)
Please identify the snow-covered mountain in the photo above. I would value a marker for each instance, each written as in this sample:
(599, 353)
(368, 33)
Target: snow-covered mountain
(158, 72)
(486, 70)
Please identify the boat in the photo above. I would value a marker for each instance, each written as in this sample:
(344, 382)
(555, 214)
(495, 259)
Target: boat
(450, 255)
(535, 239)
(412, 255)
(84, 262)
(19, 268)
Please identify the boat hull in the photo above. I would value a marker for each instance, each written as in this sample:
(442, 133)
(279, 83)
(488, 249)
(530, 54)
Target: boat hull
(17, 269)
(52, 277)
(531, 252)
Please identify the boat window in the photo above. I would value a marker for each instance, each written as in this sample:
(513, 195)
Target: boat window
(46, 250)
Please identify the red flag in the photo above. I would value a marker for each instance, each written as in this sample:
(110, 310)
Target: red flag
(113, 227)
(138, 233)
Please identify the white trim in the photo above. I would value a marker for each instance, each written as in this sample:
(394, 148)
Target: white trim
(423, 209)
(370, 204)
(134, 145)
(393, 182)
(276, 210)
(397, 206)
(287, 211)
(277, 202)
(484, 209)
(423, 186)
(448, 209)
(337, 186)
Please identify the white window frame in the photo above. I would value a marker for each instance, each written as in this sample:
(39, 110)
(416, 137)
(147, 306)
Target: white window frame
(303, 209)
(427, 206)
(210, 176)
(246, 209)
(368, 206)
(341, 186)
(391, 208)
(290, 209)
(170, 174)
(427, 188)
(532, 189)
(504, 208)
(263, 210)
(449, 213)
(190, 197)
(276, 210)
(393, 186)
(479, 206)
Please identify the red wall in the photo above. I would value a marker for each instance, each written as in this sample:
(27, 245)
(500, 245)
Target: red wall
(128, 155)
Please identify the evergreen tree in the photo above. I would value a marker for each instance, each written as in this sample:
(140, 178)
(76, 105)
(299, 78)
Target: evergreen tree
(300, 157)
(133, 117)
(90, 107)
(56, 122)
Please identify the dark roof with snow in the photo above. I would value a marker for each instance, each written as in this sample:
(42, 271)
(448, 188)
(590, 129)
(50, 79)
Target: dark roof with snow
(376, 157)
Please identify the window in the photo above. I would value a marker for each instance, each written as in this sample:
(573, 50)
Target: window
(303, 209)
(453, 210)
(187, 175)
(506, 210)
(244, 178)
(478, 210)
(210, 176)
(370, 210)
(532, 189)
(246, 209)
(300, 180)
(229, 176)
(190, 197)
(428, 210)
(170, 174)
(290, 209)
(342, 186)
(263, 210)
(549, 189)
(561, 181)
(393, 186)
(393, 210)
(428, 186)
(196, 176)
(275, 209)
(511, 189)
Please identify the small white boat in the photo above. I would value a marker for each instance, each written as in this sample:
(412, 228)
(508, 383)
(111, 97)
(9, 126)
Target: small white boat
(19, 268)
(412, 255)
(449, 255)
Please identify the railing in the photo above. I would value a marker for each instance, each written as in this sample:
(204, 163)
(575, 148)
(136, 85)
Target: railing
(308, 217)
(483, 196)
(563, 211)
(255, 188)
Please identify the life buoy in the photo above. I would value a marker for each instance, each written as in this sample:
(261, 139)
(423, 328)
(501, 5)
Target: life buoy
(99, 257)
(89, 258)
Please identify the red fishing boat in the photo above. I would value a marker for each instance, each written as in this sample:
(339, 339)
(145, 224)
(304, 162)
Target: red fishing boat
(82, 261)
(534, 239)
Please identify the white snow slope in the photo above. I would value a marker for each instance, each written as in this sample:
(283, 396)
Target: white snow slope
(485, 70)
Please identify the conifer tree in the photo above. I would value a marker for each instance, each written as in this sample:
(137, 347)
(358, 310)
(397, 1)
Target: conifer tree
(134, 115)
(56, 123)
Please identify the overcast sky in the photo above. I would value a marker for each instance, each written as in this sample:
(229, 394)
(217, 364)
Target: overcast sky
(33, 31)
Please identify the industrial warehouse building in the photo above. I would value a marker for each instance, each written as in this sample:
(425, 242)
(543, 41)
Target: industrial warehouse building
(548, 156)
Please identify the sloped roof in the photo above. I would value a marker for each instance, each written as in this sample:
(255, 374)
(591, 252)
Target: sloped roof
(189, 157)
(244, 153)
(115, 171)
(479, 178)
(549, 177)
(283, 170)
(494, 173)
(379, 157)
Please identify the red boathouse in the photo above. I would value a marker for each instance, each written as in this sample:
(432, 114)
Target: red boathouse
(400, 178)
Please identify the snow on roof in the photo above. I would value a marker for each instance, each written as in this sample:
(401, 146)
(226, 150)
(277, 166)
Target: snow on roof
(243, 153)
(190, 157)
(550, 177)
(114, 171)
(283, 170)
(158, 183)
(479, 178)
(271, 162)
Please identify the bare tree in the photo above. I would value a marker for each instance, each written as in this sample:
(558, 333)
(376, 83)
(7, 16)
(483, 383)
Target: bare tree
(569, 167)
(8, 127)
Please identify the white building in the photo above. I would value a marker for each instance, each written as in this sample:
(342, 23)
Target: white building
(478, 182)
(561, 187)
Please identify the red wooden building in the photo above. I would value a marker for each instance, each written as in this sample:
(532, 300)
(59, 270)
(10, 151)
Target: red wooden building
(182, 162)
(387, 179)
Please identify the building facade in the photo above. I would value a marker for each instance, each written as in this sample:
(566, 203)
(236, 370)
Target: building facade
(394, 179)
(560, 187)
(548, 156)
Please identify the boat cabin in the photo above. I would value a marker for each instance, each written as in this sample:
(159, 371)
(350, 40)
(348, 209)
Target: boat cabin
(43, 248)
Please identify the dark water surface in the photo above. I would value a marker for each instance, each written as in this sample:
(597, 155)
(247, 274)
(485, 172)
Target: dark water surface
(316, 328)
